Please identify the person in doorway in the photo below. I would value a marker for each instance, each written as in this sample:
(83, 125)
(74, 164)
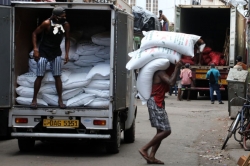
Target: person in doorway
(199, 47)
(213, 75)
(53, 30)
(157, 113)
(163, 18)
(186, 79)
(240, 64)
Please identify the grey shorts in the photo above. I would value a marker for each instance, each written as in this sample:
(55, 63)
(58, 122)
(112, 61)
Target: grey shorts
(55, 64)
(158, 116)
(179, 84)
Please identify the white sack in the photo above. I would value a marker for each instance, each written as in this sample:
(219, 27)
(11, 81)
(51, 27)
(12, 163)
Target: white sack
(103, 53)
(76, 80)
(142, 57)
(145, 76)
(28, 101)
(69, 65)
(48, 89)
(67, 94)
(99, 71)
(90, 30)
(32, 70)
(99, 103)
(26, 92)
(73, 56)
(87, 49)
(33, 65)
(51, 99)
(88, 60)
(107, 61)
(80, 100)
(98, 93)
(180, 42)
(72, 43)
(48, 77)
(81, 69)
(143, 101)
(102, 39)
(27, 79)
(99, 84)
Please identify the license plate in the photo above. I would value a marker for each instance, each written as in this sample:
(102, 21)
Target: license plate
(60, 123)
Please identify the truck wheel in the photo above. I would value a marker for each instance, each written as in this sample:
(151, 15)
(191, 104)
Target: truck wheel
(26, 144)
(129, 134)
(114, 145)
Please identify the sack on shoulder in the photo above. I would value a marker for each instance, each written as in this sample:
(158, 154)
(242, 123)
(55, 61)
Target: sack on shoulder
(212, 78)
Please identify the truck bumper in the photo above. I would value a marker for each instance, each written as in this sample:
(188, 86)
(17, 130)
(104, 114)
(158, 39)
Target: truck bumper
(200, 88)
(60, 135)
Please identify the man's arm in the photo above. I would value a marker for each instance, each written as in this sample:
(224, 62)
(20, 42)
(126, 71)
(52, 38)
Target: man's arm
(170, 81)
(160, 18)
(67, 42)
(38, 30)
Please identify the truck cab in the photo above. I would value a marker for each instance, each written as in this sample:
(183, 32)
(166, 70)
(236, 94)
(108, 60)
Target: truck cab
(81, 122)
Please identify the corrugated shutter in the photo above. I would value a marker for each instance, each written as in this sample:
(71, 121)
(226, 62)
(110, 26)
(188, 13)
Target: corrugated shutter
(8, 2)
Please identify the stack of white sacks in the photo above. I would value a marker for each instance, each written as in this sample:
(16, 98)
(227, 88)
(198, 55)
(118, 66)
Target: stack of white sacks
(157, 50)
(85, 78)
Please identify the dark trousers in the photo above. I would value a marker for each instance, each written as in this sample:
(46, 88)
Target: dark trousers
(215, 87)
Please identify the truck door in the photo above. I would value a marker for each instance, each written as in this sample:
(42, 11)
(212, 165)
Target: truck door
(5, 50)
(120, 59)
(232, 37)
(177, 19)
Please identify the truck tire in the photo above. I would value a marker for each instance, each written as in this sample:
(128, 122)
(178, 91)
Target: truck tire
(129, 134)
(26, 144)
(114, 145)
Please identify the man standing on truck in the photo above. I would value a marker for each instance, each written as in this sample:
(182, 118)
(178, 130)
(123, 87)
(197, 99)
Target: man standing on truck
(157, 113)
(199, 47)
(165, 21)
(213, 75)
(53, 30)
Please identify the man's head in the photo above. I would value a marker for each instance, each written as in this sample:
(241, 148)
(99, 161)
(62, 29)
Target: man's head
(59, 15)
(187, 65)
(160, 11)
(239, 58)
(212, 65)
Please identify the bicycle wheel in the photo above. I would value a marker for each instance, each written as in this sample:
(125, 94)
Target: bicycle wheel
(231, 130)
(238, 136)
(246, 138)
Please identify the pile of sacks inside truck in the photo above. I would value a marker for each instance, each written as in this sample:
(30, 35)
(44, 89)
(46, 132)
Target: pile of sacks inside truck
(208, 56)
(158, 50)
(85, 78)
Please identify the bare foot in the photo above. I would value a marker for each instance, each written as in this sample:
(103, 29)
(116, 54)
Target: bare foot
(144, 154)
(33, 105)
(155, 161)
(61, 105)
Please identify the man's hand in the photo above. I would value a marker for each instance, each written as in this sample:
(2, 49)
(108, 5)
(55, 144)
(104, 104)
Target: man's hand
(179, 64)
(66, 59)
(36, 55)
